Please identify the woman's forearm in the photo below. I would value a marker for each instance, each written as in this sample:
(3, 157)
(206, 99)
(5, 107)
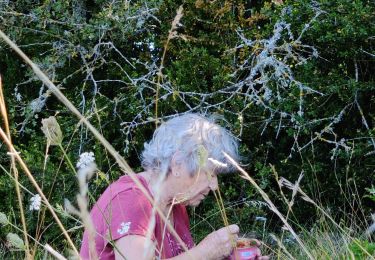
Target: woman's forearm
(196, 253)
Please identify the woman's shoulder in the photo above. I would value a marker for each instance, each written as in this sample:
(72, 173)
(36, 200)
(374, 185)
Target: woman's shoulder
(124, 187)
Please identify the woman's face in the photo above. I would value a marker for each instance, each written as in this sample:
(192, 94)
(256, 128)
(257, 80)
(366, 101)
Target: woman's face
(191, 190)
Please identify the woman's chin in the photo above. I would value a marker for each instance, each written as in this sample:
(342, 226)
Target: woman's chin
(194, 202)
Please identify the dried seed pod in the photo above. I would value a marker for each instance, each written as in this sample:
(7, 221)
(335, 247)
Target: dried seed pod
(52, 130)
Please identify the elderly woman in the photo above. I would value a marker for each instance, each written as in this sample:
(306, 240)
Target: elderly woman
(181, 165)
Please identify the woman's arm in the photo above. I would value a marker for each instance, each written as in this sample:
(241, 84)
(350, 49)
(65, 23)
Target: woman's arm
(216, 245)
(132, 247)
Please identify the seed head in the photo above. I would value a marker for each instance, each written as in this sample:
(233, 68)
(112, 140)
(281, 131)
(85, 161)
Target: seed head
(52, 130)
(15, 241)
(3, 219)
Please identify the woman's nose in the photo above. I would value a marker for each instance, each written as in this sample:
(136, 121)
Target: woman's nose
(213, 183)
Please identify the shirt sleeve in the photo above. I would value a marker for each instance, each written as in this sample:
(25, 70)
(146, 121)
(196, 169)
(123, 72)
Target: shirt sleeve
(129, 213)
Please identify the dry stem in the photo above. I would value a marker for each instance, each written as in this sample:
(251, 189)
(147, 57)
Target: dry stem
(14, 153)
(172, 34)
(4, 114)
(246, 176)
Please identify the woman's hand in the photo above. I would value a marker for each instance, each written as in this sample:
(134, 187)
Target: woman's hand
(220, 243)
(256, 243)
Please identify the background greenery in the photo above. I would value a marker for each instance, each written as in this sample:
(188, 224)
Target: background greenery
(308, 107)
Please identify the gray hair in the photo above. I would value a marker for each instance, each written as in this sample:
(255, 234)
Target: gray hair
(194, 137)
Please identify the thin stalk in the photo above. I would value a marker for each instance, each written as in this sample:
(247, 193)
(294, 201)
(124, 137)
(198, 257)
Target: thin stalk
(15, 171)
(221, 208)
(67, 158)
(46, 247)
(14, 153)
(220, 203)
(38, 235)
(171, 35)
(308, 199)
(246, 176)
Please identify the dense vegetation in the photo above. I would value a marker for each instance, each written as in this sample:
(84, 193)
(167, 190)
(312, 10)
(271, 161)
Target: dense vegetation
(294, 80)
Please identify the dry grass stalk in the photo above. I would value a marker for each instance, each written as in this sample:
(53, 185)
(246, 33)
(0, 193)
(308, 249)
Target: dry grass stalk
(4, 221)
(221, 207)
(4, 115)
(290, 202)
(14, 153)
(289, 185)
(281, 245)
(119, 159)
(172, 34)
(246, 176)
(53, 252)
(84, 175)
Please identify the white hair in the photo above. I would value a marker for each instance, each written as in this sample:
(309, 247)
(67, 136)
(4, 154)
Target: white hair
(187, 137)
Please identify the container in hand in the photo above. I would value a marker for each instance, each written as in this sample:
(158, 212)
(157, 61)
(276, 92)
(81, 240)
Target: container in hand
(245, 251)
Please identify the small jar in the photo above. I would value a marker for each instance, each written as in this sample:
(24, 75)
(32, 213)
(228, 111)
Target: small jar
(245, 253)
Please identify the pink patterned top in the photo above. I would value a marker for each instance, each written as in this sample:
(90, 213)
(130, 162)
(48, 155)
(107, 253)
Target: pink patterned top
(124, 210)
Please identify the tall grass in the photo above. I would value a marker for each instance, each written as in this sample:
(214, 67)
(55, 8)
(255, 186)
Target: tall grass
(327, 240)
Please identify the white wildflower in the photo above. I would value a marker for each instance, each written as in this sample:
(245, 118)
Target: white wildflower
(85, 159)
(124, 228)
(15, 241)
(36, 201)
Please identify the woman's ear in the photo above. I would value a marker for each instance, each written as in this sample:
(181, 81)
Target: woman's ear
(175, 167)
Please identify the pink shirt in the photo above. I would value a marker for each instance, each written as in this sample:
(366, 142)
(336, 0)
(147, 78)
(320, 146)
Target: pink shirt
(124, 210)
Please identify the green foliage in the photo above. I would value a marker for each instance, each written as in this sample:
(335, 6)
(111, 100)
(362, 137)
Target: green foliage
(371, 194)
(359, 247)
(105, 57)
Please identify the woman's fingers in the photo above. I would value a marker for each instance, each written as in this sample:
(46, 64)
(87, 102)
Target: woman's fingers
(255, 242)
(233, 229)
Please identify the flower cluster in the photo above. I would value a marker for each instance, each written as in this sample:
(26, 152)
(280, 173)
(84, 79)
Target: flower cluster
(36, 202)
(85, 159)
